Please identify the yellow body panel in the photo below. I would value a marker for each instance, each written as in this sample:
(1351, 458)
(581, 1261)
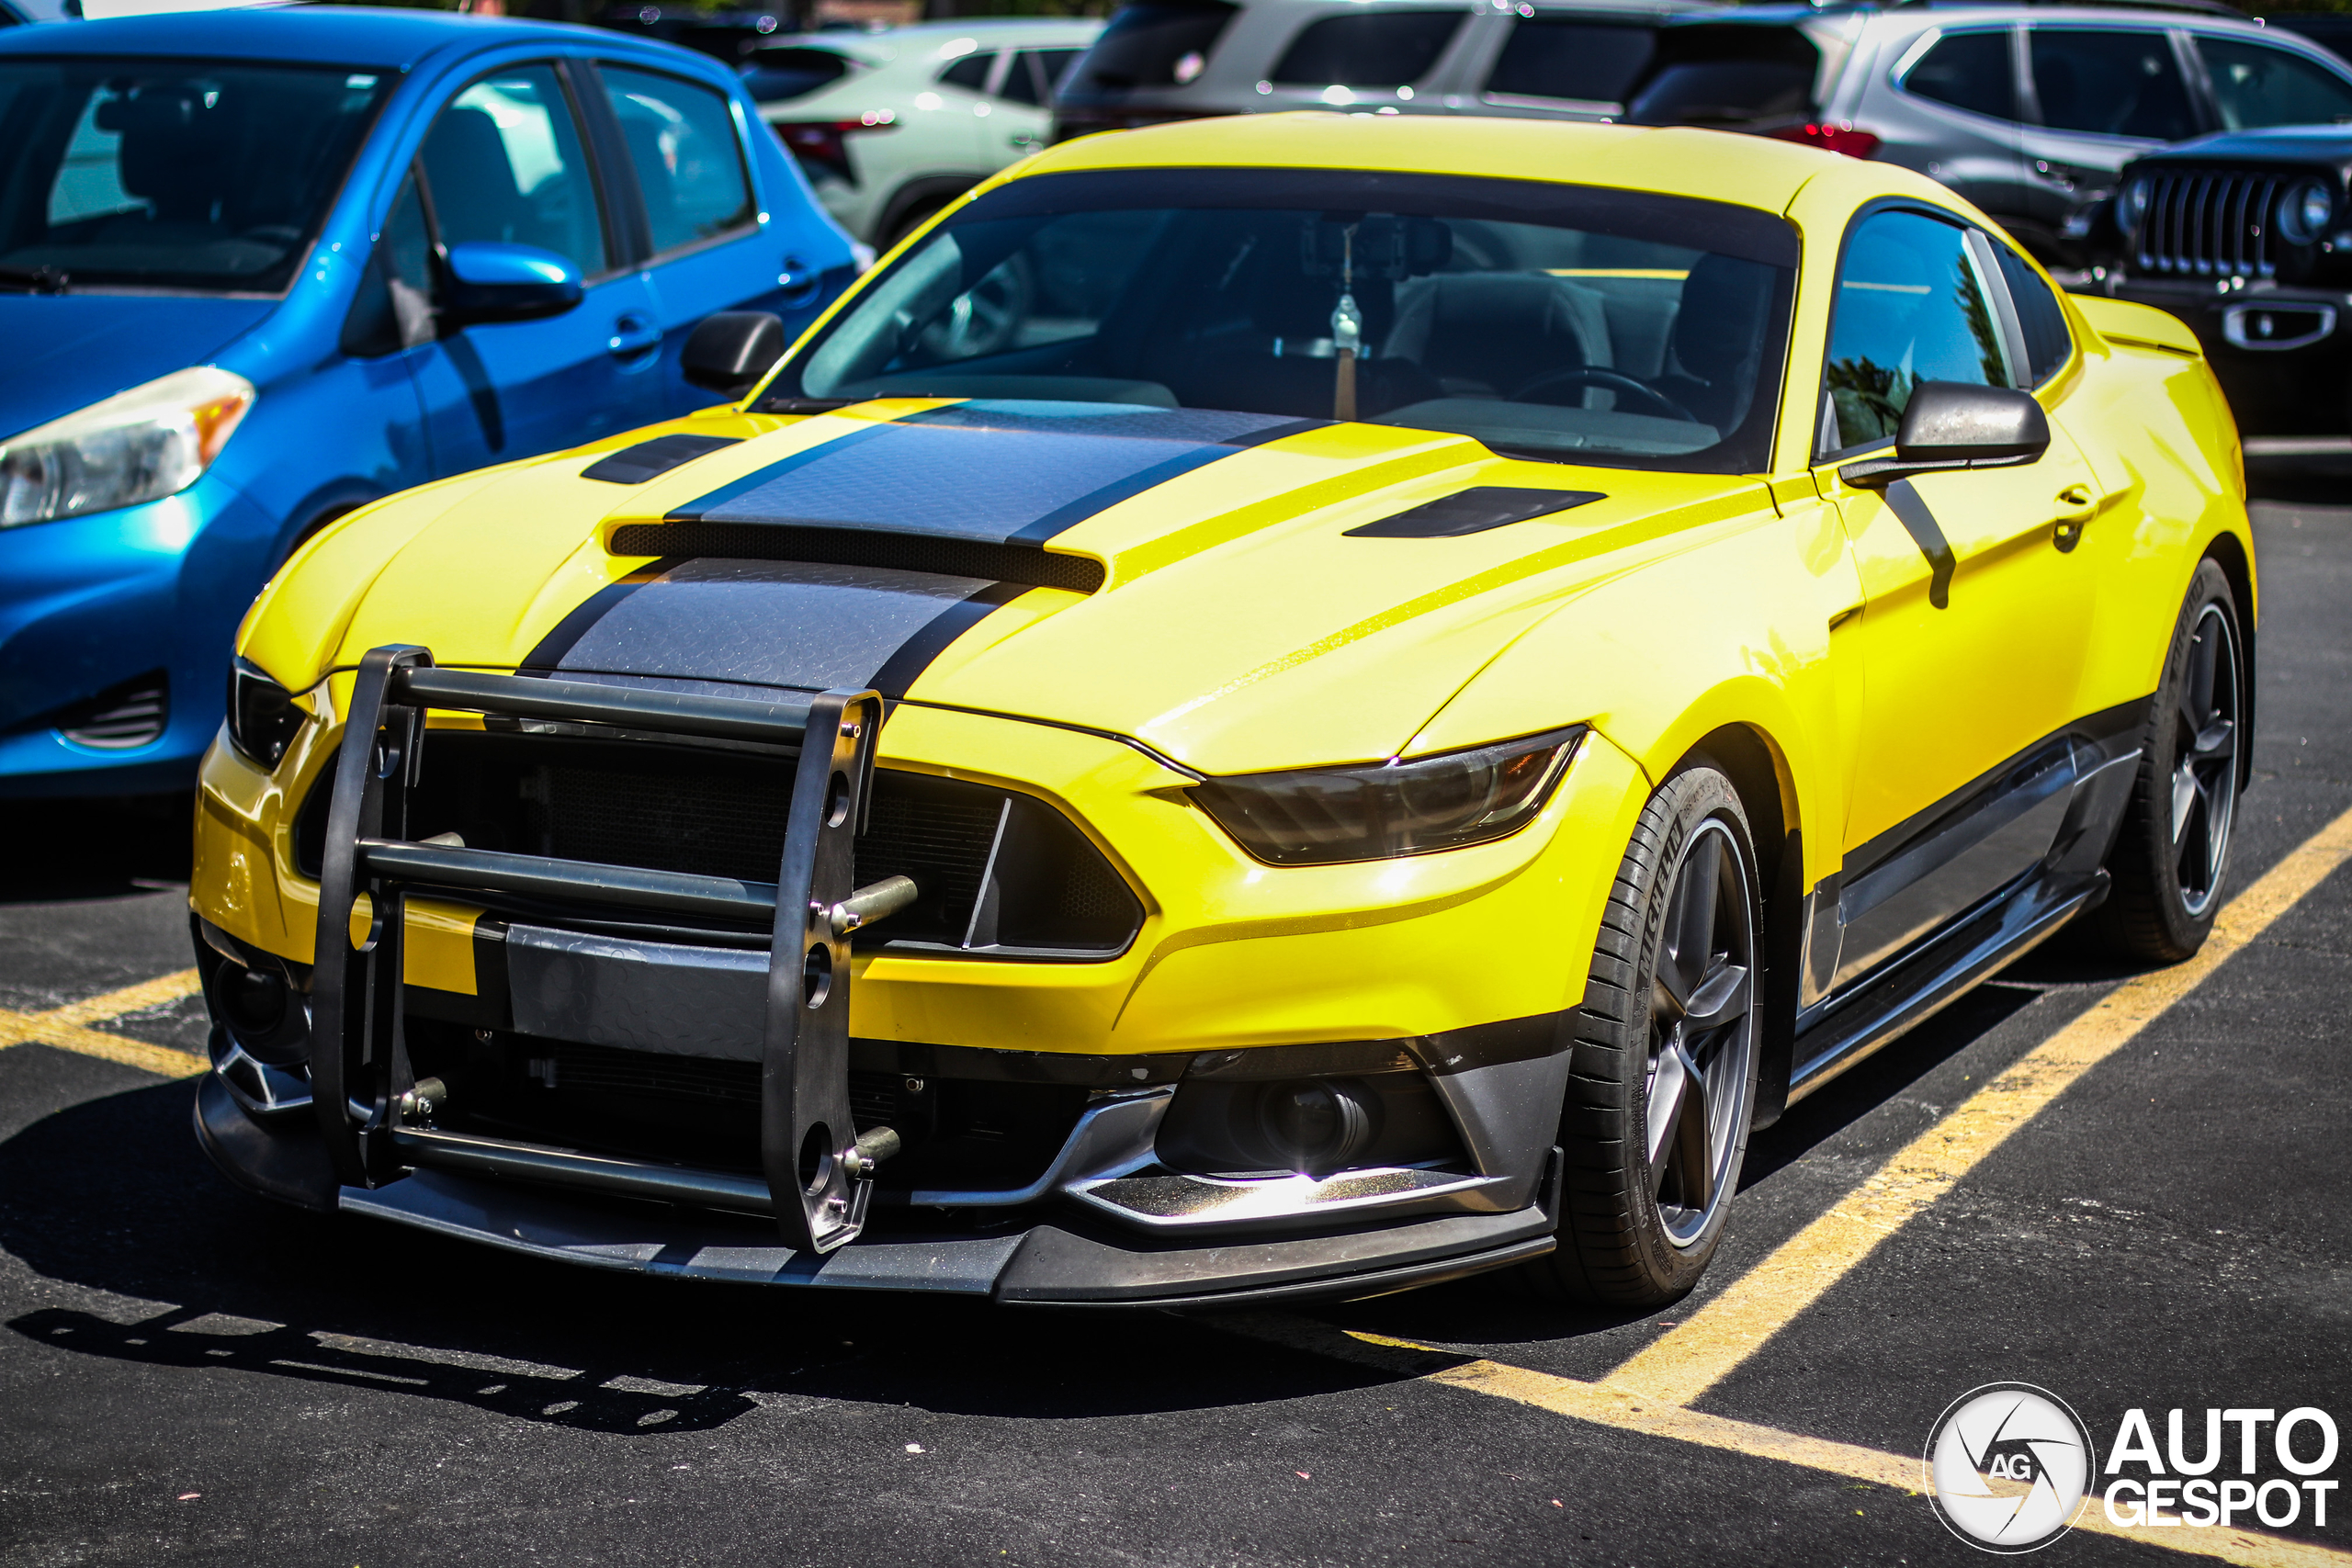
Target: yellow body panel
(1237, 631)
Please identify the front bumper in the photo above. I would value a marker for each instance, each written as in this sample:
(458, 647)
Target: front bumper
(1064, 1258)
(2283, 355)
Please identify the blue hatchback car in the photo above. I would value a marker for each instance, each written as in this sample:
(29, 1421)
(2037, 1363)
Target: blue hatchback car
(260, 267)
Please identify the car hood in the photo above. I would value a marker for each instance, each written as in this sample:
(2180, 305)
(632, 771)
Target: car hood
(68, 350)
(1216, 597)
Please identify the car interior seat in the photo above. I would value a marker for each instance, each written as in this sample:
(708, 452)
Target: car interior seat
(475, 195)
(1719, 330)
(175, 150)
(1487, 334)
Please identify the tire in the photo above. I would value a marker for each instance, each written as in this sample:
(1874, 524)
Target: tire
(2171, 856)
(1670, 1018)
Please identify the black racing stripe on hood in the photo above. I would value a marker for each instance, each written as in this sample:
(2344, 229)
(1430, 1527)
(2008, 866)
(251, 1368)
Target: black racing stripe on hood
(995, 471)
(548, 653)
(787, 624)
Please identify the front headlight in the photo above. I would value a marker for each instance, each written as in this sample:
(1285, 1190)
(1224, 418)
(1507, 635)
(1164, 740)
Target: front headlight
(263, 719)
(1380, 811)
(143, 445)
(2304, 211)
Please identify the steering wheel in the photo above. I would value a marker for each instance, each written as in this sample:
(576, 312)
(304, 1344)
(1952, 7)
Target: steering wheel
(1614, 380)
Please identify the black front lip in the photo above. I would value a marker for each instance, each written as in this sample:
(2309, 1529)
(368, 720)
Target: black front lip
(1055, 1259)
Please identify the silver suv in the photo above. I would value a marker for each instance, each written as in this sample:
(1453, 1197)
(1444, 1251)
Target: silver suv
(2027, 111)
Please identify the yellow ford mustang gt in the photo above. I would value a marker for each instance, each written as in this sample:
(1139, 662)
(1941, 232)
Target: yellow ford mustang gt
(1285, 706)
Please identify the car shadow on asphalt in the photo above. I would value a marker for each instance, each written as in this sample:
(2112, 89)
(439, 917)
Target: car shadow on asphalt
(100, 848)
(114, 1195)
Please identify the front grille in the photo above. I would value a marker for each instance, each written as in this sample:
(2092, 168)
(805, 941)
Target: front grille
(721, 814)
(123, 717)
(2207, 224)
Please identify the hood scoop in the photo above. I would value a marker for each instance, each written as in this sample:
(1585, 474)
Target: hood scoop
(1026, 564)
(1474, 511)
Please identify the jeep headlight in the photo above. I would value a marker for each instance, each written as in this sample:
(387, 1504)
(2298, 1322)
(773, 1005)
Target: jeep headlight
(2304, 212)
(2131, 204)
(1380, 811)
(138, 446)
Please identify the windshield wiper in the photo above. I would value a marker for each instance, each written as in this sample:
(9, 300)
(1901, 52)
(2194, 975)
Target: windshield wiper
(36, 280)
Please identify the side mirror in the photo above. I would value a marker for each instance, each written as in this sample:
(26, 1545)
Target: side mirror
(729, 351)
(490, 281)
(1951, 424)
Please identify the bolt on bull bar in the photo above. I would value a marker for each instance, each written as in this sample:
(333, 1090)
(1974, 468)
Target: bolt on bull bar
(819, 1178)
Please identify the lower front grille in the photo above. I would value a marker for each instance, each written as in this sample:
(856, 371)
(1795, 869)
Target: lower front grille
(700, 1111)
(1000, 873)
(2207, 224)
(123, 717)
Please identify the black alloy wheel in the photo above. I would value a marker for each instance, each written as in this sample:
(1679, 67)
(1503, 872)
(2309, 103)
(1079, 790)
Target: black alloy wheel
(1663, 1082)
(2171, 857)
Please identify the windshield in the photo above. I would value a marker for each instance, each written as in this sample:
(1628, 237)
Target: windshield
(1555, 321)
(171, 174)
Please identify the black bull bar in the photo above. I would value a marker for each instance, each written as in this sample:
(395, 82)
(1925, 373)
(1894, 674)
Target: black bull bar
(819, 1178)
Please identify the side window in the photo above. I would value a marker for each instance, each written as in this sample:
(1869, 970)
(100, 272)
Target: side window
(2040, 317)
(503, 161)
(1377, 49)
(1021, 82)
(1554, 57)
(394, 306)
(2111, 83)
(689, 164)
(972, 72)
(2255, 84)
(1968, 71)
(1910, 308)
(1055, 64)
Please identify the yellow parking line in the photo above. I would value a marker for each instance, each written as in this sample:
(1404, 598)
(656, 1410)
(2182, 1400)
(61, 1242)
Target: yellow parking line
(1686, 1361)
(1622, 1409)
(67, 1027)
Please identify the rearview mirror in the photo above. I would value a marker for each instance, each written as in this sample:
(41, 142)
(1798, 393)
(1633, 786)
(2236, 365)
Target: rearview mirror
(729, 351)
(490, 281)
(1952, 425)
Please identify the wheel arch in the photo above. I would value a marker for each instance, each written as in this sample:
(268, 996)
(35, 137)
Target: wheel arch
(2228, 552)
(1760, 775)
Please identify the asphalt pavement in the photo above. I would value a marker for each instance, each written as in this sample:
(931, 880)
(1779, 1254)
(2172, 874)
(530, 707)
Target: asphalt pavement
(188, 1375)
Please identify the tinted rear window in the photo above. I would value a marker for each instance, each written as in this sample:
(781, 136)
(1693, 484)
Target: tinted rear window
(1730, 75)
(779, 75)
(1144, 44)
(1558, 57)
(2046, 341)
(1969, 71)
(1380, 49)
(2110, 84)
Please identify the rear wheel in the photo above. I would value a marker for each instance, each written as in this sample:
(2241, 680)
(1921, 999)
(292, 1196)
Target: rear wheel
(1655, 1125)
(2171, 858)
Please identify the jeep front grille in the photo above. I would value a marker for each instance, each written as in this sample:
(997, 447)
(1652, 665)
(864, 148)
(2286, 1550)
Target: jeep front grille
(2207, 224)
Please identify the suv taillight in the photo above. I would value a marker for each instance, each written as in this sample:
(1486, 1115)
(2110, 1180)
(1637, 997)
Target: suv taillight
(1831, 138)
(824, 144)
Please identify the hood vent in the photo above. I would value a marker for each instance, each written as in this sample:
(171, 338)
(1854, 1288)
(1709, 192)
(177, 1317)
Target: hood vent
(1474, 511)
(859, 546)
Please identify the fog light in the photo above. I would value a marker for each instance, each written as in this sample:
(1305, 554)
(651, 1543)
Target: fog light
(1318, 1124)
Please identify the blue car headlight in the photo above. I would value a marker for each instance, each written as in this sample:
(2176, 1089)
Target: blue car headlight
(1381, 810)
(143, 445)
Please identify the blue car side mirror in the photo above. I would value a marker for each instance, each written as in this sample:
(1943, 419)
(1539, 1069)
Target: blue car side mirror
(490, 281)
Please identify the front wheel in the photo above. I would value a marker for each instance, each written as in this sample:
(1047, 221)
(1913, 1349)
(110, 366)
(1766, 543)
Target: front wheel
(2172, 853)
(1655, 1125)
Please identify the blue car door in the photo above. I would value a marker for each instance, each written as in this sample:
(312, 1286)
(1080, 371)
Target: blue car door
(711, 246)
(507, 160)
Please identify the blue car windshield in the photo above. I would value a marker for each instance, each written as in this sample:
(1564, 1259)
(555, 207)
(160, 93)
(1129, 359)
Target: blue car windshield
(1562, 322)
(177, 175)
